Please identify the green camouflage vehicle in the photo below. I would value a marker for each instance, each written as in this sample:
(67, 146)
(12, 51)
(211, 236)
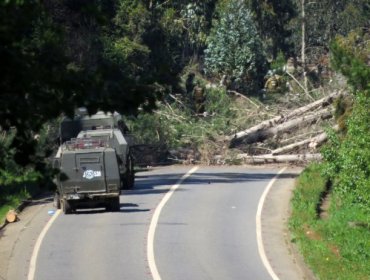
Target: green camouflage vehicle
(89, 176)
(94, 161)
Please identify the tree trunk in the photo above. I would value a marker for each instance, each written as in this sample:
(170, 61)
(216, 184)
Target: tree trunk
(262, 134)
(303, 49)
(313, 142)
(11, 216)
(280, 119)
(260, 159)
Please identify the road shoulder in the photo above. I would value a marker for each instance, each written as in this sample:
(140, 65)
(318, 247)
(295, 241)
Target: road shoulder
(282, 254)
(17, 239)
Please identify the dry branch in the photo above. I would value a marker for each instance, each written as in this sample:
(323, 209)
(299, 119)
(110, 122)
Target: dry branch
(177, 100)
(244, 97)
(302, 87)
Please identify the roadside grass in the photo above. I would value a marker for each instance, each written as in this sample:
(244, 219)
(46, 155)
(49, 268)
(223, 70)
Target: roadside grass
(12, 200)
(337, 247)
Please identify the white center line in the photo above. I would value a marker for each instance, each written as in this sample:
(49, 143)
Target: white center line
(154, 222)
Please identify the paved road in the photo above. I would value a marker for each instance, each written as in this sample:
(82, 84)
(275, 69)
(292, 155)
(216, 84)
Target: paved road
(206, 230)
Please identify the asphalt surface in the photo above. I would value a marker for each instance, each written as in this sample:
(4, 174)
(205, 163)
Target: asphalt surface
(207, 230)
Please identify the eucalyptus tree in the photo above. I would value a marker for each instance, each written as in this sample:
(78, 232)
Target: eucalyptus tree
(324, 20)
(235, 48)
(187, 24)
(273, 18)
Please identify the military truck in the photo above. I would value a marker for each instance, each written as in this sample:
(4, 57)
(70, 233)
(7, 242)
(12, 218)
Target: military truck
(89, 176)
(114, 139)
(94, 161)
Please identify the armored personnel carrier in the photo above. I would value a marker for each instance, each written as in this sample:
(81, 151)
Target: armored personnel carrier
(115, 139)
(95, 162)
(89, 176)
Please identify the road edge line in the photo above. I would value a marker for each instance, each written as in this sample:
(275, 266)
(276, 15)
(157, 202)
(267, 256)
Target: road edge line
(36, 249)
(261, 248)
(154, 222)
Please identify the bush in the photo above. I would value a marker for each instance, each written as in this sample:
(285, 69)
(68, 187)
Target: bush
(348, 159)
(174, 125)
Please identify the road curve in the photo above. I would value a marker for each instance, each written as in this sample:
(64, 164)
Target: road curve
(206, 230)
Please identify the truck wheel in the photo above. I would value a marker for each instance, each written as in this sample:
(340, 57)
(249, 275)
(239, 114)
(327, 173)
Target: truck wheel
(129, 177)
(56, 201)
(114, 204)
(66, 207)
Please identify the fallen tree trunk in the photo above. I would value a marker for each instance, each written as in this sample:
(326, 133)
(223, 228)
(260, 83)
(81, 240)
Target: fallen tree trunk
(11, 216)
(267, 132)
(313, 142)
(260, 159)
(283, 118)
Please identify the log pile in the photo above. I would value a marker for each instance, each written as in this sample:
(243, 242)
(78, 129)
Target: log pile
(271, 136)
(276, 134)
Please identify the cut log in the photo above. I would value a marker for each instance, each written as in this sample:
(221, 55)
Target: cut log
(283, 118)
(312, 142)
(11, 216)
(269, 131)
(260, 159)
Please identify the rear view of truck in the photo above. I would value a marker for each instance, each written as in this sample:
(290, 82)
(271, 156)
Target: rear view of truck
(89, 176)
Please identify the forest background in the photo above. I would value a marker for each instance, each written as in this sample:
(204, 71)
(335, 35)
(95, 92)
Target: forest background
(144, 59)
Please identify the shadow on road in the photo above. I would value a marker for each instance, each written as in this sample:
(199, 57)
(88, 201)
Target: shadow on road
(160, 183)
(124, 208)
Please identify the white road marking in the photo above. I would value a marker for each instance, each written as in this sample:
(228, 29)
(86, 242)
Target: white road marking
(36, 249)
(154, 222)
(261, 248)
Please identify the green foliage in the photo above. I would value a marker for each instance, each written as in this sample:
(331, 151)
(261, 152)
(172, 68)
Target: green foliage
(277, 65)
(348, 159)
(349, 55)
(310, 185)
(348, 155)
(339, 241)
(194, 20)
(325, 20)
(272, 18)
(6, 151)
(235, 49)
(174, 125)
(132, 18)
(35, 79)
(188, 22)
(342, 239)
(15, 181)
(59, 56)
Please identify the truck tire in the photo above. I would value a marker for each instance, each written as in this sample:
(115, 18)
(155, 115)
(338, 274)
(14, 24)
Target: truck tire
(129, 178)
(66, 206)
(56, 201)
(114, 205)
